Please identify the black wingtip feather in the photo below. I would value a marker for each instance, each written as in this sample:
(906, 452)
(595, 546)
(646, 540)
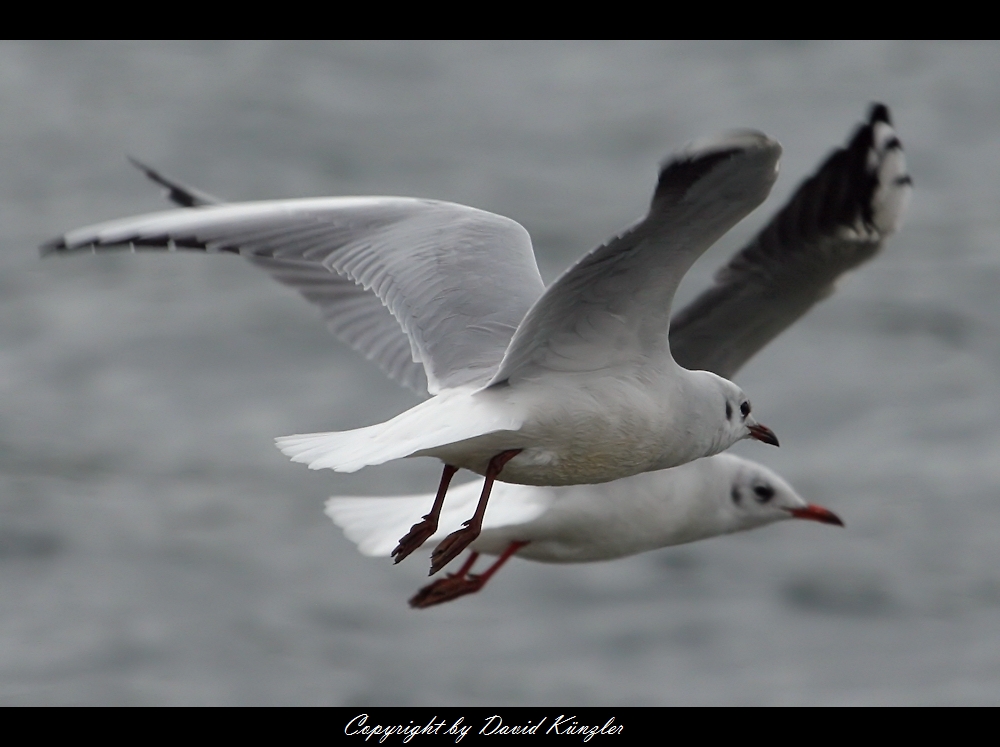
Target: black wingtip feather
(52, 246)
(846, 179)
(840, 193)
(177, 193)
(678, 175)
(879, 113)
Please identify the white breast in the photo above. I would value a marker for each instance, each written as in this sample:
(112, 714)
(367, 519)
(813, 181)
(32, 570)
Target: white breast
(619, 425)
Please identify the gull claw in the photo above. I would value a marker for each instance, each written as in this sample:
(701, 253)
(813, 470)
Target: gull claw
(445, 589)
(419, 533)
(451, 547)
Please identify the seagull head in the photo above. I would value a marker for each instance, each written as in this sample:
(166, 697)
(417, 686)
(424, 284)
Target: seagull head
(737, 422)
(756, 495)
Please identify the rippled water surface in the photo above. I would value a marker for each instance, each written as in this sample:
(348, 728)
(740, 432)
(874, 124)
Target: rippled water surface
(156, 549)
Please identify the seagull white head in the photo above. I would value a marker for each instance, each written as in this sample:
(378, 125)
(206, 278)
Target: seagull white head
(757, 496)
(733, 413)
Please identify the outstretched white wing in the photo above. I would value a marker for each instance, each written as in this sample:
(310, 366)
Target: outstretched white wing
(836, 220)
(613, 306)
(456, 280)
(354, 315)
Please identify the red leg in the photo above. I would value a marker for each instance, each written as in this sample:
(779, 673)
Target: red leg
(420, 531)
(467, 565)
(452, 545)
(507, 554)
(459, 584)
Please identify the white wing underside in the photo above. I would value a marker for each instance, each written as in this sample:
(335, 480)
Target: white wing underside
(455, 280)
(355, 316)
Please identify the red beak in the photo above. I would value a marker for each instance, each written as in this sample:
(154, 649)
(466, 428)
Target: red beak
(763, 433)
(816, 513)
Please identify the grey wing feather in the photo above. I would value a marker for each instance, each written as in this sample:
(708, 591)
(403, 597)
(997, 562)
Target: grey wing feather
(836, 220)
(354, 315)
(613, 306)
(455, 279)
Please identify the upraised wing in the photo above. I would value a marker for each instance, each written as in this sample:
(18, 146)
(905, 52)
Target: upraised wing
(613, 306)
(836, 220)
(456, 280)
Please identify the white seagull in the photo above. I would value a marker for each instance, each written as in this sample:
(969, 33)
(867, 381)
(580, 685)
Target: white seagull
(717, 495)
(836, 220)
(570, 384)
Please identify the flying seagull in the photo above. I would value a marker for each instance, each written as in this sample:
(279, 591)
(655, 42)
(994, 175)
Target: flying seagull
(717, 495)
(565, 385)
(569, 384)
(838, 219)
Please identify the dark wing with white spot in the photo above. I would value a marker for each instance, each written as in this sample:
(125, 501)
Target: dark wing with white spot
(613, 306)
(456, 280)
(836, 220)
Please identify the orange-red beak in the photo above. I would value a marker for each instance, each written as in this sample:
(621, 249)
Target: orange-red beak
(763, 433)
(816, 513)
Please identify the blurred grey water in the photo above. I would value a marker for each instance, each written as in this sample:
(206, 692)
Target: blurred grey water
(156, 549)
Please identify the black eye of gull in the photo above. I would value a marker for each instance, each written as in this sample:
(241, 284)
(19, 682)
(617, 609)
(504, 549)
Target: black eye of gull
(745, 409)
(764, 493)
(729, 411)
(736, 495)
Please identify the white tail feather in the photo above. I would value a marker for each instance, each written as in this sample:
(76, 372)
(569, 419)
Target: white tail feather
(376, 524)
(446, 419)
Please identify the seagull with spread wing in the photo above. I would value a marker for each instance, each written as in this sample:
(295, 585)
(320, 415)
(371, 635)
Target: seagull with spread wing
(837, 219)
(570, 384)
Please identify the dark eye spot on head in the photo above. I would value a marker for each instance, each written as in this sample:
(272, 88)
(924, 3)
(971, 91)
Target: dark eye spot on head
(735, 494)
(745, 409)
(729, 411)
(764, 493)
